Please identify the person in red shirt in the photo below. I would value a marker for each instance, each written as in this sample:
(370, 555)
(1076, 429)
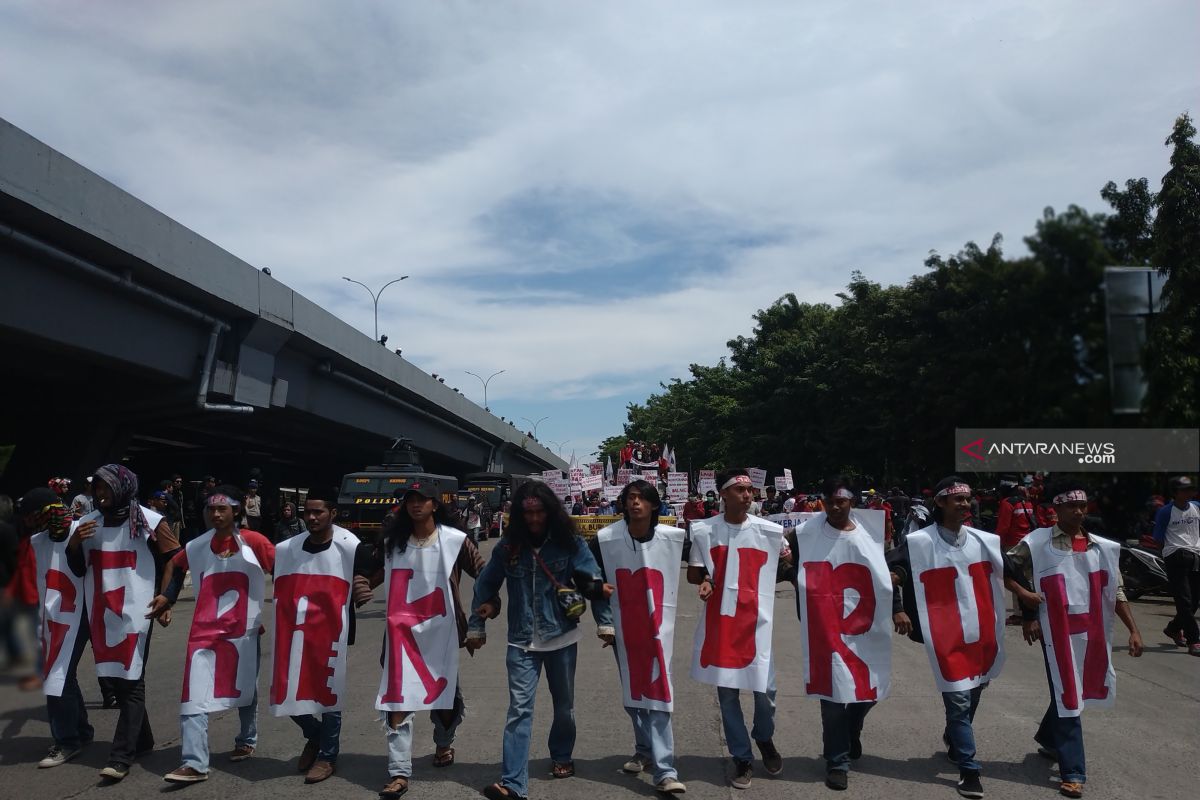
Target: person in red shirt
(224, 541)
(1016, 518)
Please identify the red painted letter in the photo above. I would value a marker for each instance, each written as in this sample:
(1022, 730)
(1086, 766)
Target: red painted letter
(640, 626)
(326, 596)
(402, 615)
(958, 659)
(212, 631)
(1064, 624)
(56, 632)
(114, 601)
(729, 641)
(825, 590)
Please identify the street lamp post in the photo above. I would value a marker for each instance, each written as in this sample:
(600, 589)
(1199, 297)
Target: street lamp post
(375, 297)
(535, 424)
(485, 385)
(559, 445)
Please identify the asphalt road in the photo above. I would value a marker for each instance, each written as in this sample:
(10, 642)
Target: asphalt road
(1145, 748)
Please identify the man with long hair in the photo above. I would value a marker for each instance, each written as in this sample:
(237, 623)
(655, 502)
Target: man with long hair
(640, 559)
(548, 570)
(425, 552)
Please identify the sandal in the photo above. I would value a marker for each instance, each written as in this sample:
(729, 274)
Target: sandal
(395, 788)
(566, 770)
(443, 757)
(498, 792)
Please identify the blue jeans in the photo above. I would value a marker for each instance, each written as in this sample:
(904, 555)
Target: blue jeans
(326, 732)
(841, 724)
(68, 715)
(960, 714)
(734, 722)
(654, 740)
(524, 668)
(194, 731)
(1064, 735)
(399, 738)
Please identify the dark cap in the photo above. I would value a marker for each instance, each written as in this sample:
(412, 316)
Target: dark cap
(35, 500)
(1182, 482)
(426, 490)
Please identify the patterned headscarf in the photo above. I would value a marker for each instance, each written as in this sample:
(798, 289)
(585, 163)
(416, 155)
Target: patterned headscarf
(125, 506)
(55, 519)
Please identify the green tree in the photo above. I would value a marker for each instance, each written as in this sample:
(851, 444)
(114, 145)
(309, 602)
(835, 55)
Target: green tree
(1173, 345)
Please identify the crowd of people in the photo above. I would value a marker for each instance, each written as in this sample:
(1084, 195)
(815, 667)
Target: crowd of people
(101, 576)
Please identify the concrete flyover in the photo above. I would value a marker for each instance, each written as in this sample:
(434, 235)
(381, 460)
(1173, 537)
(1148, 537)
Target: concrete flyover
(126, 335)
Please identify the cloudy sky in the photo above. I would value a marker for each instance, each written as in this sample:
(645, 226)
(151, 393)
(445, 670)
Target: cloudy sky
(591, 196)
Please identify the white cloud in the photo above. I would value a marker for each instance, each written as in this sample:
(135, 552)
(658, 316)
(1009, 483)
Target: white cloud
(382, 139)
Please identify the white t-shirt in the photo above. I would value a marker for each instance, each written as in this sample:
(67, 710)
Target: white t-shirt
(1183, 530)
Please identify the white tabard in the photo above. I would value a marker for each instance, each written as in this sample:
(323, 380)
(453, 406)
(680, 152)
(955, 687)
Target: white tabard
(119, 585)
(221, 666)
(1080, 591)
(844, 599)
(733, 636)
(420, 654)
(312, 625)
(960, 600)
(646, 577)
(60, 610)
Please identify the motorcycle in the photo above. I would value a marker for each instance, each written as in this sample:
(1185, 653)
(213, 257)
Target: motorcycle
(1143, 570)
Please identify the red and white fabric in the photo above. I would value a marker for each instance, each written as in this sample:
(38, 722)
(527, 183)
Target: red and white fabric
(312, 625)
(960, 600)
(119, 585)
(646, 580)
(60, 610)
(1076, 616)
(844, 599)
(420, 657)
(220, 669)
(733, 635)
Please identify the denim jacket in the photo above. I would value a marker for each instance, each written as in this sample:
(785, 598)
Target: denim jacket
(532, 604)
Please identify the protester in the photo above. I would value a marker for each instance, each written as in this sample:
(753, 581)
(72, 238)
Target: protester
(82, 503)
(1177, 531)
(949, 572)
(424, 556)
(61, 631)
(289, 523)
(18, 590)
(1071, 564)
(114, 549)
(639, 559)
(548, 571)
(831, 548)
(1015, 519)
(253, 507)
(316, 571)
(733, 652)
(220, 669)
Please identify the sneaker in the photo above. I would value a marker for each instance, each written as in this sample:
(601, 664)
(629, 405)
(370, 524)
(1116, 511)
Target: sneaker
(772, 761)
(185, 775)
(968, 783)
(837, 780)
(57, 757)
(114, 771)
(241, 752)
(1070, 789)
(856, 748)
(1194, 649)
(1175, 636)
(670, 786)
(636, 765)
(742, 773)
